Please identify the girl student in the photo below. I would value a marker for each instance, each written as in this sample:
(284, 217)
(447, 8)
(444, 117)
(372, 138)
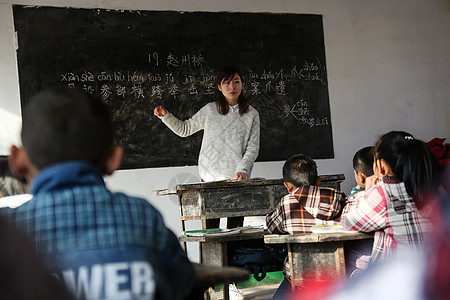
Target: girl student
(394, 204)
(231, 127)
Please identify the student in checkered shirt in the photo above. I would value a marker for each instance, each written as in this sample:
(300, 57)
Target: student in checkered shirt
(394, 203)
(306, 205)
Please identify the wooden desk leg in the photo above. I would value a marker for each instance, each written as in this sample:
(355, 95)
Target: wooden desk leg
(215, 254)
(183, 228)
(316, 261)
(291, 266)
(339, 258)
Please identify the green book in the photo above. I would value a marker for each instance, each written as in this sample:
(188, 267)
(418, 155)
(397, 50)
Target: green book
(202, 230)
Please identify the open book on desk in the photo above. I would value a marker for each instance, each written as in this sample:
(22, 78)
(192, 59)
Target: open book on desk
(220, 232)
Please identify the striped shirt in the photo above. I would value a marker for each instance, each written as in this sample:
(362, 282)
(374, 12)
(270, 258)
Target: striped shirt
(387, 210)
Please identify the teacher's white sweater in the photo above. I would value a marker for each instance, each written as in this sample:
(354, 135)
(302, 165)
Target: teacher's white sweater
(230, 142)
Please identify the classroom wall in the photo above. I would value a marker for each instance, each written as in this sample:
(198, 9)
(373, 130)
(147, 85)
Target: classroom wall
(388, 68)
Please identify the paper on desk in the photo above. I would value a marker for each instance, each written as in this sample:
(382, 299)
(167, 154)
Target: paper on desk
(222, 232)
(328, 228)
(251, 229)
(214, 232)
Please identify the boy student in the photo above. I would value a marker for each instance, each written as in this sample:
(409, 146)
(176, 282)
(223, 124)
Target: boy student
(103, 245)
(363, 168)
(306, 205)
(358, 253)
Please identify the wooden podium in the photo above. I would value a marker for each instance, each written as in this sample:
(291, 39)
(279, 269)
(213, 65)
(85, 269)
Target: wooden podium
(219, 199)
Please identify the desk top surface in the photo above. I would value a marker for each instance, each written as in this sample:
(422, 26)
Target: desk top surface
(315, 237)
(224, 238)
(235, 184)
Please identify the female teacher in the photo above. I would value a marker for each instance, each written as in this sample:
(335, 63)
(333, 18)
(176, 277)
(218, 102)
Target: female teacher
(230, 142)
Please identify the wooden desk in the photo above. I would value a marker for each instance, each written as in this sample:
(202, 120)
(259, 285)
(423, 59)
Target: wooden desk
(316, 256)
(214, 249)
(220, 199)
(208, 276)
(212, 200)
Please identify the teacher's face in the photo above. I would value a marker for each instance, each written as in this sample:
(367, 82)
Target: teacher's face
(231, 88)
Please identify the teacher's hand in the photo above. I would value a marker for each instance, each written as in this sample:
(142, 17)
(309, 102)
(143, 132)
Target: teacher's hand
(160, 111)
(240, 176)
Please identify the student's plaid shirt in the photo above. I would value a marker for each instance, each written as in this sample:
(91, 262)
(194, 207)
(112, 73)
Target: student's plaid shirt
(305, 207)
(388, 210)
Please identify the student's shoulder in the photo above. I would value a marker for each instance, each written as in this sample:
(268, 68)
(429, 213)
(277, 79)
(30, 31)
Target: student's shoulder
(331, 191)
(288, 200)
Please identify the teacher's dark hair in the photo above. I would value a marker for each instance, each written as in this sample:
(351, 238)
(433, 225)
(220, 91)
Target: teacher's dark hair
(411, 161)
(227, 73)
(300, 170)
(66, 124)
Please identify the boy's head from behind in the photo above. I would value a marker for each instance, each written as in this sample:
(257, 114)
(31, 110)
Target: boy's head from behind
(363, 165)
(65, 125)
(300, 170)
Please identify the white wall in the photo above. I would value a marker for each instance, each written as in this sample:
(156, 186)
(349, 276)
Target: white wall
(388, 68)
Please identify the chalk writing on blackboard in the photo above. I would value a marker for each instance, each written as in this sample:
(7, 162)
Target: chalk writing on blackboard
(139, 83)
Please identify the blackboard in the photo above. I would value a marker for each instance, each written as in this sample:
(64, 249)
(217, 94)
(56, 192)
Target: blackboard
(136, 60)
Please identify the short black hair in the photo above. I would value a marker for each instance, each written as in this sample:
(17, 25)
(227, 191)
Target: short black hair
(65, 124)
(363, 161)
(300, 170)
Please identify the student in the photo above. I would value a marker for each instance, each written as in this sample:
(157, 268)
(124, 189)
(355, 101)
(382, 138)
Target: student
(231, 134)
(358, 252)
(13, 190)
(405, 173)
(363, 168)
(103, 245)
(415, 275)
(306, 205)
(9, 183)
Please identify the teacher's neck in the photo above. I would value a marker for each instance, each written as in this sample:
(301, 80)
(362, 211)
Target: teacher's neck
(232, 102)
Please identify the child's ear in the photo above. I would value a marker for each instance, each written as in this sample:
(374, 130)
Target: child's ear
(383, 167)
(113, 161)
(290, 187)
(318, 180)
(362, 177)
(20, 163)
